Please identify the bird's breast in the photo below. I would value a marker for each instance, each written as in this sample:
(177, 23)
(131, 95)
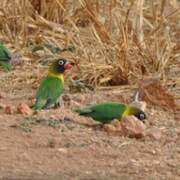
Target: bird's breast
(57, 75)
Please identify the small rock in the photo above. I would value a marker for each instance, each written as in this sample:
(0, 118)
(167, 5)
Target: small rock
(63, 150)
(109, 128)
(117, 125)
(113, 128)
(24, 109)
(132, 127)
(9, 110)
(154, 133)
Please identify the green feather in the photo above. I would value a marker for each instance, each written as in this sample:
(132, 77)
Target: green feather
(108, 111)
(104, 112)
(48, 93)
(5, 57)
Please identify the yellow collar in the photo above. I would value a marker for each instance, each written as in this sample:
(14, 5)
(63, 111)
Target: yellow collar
(126, 112)
(130, 110)
(57, 75)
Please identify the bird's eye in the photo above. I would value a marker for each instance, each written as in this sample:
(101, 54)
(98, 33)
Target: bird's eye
(142, 116)
(61, 62)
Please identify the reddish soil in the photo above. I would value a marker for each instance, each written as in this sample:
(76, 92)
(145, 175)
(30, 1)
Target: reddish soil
(58, 144)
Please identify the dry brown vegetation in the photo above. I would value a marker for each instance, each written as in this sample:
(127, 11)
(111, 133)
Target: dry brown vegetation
(115, 41)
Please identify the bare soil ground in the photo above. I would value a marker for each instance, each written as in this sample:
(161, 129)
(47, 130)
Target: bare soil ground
(58, 144)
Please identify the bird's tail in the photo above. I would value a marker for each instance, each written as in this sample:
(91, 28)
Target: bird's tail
(35, 107)
(83, 111)
(39, 104)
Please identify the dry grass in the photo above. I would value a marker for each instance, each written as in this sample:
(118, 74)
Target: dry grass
(116, 42)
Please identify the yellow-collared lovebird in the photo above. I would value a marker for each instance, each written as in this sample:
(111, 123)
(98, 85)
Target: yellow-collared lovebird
(5, 57)
(108, 111)
(51, 87)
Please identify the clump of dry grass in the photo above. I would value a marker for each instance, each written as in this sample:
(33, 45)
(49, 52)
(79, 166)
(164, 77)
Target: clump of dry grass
(116, 42)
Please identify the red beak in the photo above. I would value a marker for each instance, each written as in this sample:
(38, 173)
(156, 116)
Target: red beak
(68, 66)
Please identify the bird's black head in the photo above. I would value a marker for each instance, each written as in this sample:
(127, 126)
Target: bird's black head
(60, 66)
(140, 115)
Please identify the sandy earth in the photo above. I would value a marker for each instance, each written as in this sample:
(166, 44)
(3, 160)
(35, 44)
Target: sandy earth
(58, 144)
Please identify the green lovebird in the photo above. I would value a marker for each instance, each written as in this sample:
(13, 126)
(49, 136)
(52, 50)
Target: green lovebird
(51, 87)
(5, 57)
(108, 111)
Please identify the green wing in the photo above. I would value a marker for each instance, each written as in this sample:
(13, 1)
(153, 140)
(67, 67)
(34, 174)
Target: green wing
(5, 54)
(48, 93)
(5, 57)
(104, 112)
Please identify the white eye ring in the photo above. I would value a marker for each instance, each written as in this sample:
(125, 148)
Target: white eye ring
(61, 62)
(142, 116)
